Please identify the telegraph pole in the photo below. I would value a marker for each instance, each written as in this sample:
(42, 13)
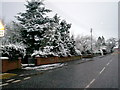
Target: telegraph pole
(91, 41)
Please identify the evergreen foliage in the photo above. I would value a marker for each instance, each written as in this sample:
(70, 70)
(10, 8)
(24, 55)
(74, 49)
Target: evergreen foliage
(34, 22)
(45, 36)
(13, 51)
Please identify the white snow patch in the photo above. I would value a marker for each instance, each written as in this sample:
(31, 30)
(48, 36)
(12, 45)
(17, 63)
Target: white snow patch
(44, 67)
(28, 64)
(4, 58)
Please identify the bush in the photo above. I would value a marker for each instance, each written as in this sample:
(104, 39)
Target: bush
(12, 51)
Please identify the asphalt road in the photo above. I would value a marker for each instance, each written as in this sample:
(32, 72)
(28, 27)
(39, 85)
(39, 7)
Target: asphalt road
(102, 72)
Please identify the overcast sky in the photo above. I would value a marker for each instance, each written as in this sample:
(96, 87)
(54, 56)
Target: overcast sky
(100, 15)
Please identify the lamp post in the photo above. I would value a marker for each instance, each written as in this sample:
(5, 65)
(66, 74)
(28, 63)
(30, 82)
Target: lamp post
(91, 41)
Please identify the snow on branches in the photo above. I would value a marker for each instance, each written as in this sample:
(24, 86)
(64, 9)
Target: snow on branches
(45, 36)
(13, 51)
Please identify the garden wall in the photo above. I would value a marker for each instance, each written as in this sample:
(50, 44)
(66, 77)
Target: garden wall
(88, 56)
(10, 65)
(49, 60)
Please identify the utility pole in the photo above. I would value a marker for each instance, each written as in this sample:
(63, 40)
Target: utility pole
(91, 41)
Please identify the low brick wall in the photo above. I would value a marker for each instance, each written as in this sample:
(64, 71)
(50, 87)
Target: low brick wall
(87, 56)
(50, 60)
(10, 65)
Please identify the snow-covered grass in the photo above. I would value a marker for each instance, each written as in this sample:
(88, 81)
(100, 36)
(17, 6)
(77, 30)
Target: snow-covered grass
(45, 67)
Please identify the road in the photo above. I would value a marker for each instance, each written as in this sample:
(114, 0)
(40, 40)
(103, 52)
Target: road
(101, 72)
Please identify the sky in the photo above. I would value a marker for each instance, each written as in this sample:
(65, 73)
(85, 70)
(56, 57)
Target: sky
(100, 15)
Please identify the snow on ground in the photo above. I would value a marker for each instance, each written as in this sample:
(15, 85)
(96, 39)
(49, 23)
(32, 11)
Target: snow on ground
(24, 65)
(45, 67)
(4, 58)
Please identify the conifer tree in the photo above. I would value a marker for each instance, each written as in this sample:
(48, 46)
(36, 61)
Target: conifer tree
(43, 35)
(33, 21)
(103, 41)
(52, 39)
(72, 46)
(65, 35)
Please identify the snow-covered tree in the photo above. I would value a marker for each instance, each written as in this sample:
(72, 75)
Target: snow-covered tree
(72, 47)
(65, 36)
(111, 43)
(34, 23)
(11, 43)
(100, 42)
(12, 34)
(13, 51)
(45, 36)
(83, 43)
(103, 41)
(52, 39)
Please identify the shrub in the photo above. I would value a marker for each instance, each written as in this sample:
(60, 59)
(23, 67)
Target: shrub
(13, 51)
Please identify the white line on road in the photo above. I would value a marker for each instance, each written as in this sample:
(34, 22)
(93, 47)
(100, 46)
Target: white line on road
(4, 84)
(98, 75)
(10, 80)
(16, 81)
(87, 86)
(27, 78)
(107, 63)
(102, 70)
(90, 83)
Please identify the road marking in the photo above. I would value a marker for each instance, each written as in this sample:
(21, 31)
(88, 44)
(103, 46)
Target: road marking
(87, 86)
(16, 81)
(102, 70)
(10, 80)
(27, 78)
(4, 84)
(90, 83)
(107, 63)
(98, 75)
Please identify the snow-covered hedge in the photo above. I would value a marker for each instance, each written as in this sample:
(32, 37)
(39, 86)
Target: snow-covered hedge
(48, 52)
(13, 51)
(78, 52)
